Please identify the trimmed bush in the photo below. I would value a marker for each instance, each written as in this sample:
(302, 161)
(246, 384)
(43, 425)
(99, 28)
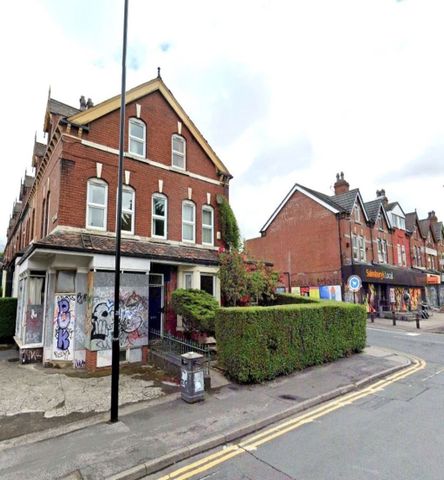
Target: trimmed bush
(289, 298)
(198, 309)
(259, 343)
(8, 311)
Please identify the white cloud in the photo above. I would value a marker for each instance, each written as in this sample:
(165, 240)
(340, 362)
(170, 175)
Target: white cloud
(357, 84)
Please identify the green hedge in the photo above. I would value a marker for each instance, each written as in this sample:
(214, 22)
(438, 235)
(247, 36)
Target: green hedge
(289, 298)
(8, 310)
(259, 343)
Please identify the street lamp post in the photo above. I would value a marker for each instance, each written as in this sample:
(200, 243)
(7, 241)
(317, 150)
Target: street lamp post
(116, 329)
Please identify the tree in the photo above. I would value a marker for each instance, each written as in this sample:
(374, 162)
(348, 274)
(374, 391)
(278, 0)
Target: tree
(262, 283)
(233, 277)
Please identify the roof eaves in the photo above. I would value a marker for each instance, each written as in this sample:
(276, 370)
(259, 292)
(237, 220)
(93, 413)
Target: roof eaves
(298, 188)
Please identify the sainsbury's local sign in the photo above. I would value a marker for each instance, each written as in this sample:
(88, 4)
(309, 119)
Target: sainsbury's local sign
(378, 274)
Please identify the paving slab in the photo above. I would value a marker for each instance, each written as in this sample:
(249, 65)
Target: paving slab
(150, 437)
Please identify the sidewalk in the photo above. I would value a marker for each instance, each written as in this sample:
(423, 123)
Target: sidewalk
(149, 437)
(434, 324)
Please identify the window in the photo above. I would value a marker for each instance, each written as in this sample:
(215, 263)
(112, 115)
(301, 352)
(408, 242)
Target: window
(380, 222)
(188, 222)
(188, 280)
(404, 256)
(207, 225)
(136, 137)
(361, 248)
(382, 250)
(398, 222)
(380, 257)
(97, 204)
(207, 283)
(357, 214)
(128, 210)
(159, 216)
(358, 244)
(355, 247)
(178, 152)
(399, 255)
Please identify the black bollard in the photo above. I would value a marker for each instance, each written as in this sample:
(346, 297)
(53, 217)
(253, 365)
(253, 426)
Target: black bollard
(394, 318)
(372, 317)
(417, 321)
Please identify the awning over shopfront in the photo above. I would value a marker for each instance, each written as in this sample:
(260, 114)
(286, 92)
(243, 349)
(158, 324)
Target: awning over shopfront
(387, 275)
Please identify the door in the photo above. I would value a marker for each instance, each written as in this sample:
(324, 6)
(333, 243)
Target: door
(155, 301)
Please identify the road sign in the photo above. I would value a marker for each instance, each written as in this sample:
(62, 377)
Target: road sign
(354, 283)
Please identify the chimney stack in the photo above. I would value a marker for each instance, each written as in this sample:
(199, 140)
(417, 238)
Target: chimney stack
(341, 185)
(89, 103)
(381, 194)
(82, 103)
(432, 217)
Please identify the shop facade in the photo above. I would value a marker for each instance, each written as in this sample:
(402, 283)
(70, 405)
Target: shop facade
(386, 288)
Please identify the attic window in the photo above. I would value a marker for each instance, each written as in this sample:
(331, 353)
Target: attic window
(357, 214)
(178, 152)
(137, 137)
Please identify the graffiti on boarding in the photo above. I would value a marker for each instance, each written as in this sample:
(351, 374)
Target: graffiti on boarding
(64, 318)
(133, 319)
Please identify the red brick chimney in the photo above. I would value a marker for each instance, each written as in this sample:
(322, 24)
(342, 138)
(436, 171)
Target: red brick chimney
(341, 185)
(432, 217)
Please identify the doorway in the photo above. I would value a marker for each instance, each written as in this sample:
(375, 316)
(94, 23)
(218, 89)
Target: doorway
(156, 301)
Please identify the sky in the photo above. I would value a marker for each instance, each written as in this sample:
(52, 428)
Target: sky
(284, 91)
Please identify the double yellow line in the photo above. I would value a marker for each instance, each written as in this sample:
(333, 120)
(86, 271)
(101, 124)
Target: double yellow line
(252, 443)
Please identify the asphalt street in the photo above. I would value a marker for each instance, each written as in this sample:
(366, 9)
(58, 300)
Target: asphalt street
(395, 432)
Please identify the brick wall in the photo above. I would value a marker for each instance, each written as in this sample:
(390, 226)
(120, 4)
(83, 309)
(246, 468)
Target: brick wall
(303, 239)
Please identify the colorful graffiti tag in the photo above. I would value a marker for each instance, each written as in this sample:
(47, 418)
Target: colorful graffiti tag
(64, 319)
(133, 320)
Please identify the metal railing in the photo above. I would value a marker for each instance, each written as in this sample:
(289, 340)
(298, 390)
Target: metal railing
(166, 342)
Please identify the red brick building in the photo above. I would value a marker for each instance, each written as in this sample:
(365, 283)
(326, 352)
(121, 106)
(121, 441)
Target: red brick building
(318, 241)
(60, 249)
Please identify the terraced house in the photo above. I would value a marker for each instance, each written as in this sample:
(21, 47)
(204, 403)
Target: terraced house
(59, 257)
(318, 241)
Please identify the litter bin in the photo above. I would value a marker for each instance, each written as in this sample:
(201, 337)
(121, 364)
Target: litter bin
(192, 377)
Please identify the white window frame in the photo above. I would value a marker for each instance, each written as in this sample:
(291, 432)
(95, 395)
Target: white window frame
(384, 251)
(131, 137)
(159, 217)
(133, 211)
(89, 204)
(357, 214)
(185, 276)
(355, 247)
(176, 152)
(399, 254)
(361, 247)
(404, 256)
(187, 222)
(208, 227)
